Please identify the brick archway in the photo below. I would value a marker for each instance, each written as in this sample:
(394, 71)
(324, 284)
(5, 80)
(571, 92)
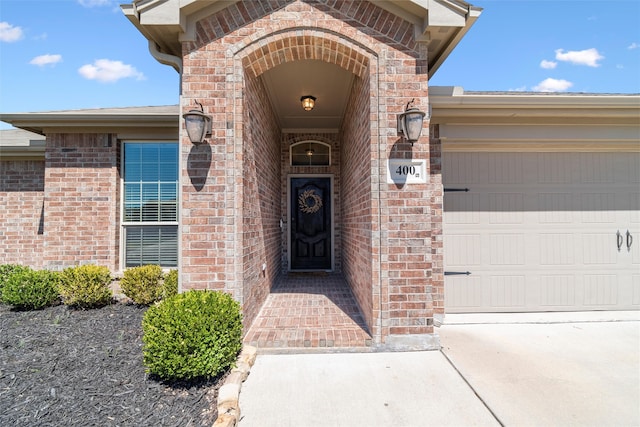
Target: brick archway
(299, 44)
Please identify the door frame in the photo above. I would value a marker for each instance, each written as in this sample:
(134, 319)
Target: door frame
(332, 216)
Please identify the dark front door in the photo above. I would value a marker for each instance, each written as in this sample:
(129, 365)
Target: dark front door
(310, 223)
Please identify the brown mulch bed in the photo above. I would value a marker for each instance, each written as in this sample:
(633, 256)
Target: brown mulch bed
(60, 366)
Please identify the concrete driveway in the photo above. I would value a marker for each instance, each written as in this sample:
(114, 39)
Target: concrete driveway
(515, 370)
(550, 369)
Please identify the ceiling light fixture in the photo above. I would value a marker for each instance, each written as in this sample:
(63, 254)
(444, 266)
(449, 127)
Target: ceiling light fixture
(308, 102)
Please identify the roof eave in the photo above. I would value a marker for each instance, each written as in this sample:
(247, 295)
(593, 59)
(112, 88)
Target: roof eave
(451, 105)
(41, 123)
(472, 16)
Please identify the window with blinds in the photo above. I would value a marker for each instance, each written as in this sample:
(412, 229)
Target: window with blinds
(150, 203)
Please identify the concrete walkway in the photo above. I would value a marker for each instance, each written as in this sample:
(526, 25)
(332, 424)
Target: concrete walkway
(566, 369)
(561, 369)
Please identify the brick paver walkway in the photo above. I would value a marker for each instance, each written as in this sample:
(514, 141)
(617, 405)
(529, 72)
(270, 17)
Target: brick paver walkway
(309, 310)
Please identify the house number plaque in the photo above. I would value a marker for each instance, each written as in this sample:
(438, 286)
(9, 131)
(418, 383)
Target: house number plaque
(404, 171)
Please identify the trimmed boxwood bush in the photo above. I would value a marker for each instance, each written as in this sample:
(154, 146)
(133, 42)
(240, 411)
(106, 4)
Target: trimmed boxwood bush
(31, 289)
(86, 286)
(143, 284)
(170, 287)
(7, 270)
(193, 335)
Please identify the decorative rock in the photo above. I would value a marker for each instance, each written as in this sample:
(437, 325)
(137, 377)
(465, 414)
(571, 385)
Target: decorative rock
(229, 408)
(243, 368)
(224, 420)
(249, 354)
(229, 393)
(235, 378)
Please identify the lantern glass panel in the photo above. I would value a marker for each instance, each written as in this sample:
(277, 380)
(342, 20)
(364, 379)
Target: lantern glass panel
(196, 128)
(413, 125)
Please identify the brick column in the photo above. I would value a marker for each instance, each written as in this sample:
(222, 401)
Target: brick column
(406, 214)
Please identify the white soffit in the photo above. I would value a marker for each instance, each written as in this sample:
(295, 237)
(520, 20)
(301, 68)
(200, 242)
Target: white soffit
(440, 24)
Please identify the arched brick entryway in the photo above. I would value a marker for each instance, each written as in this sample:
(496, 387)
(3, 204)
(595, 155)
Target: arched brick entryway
(390, 235)
(353, 148)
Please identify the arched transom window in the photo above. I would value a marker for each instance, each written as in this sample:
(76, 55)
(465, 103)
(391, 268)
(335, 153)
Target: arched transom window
(310, 153)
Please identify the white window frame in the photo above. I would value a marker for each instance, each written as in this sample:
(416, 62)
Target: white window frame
(307, 142)
(124, 224)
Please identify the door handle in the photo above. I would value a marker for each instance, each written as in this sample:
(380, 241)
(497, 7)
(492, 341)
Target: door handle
(629, 240)
(619, 240)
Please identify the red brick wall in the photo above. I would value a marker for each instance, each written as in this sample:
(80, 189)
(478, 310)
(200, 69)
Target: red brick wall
(405, 210)
(356, 199)
(81, 201)
(21, 222)
(245, 40)
(261, 199)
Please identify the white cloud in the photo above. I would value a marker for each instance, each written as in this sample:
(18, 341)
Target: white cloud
(552, 85)
(588, 57)
(107, 71)
(47, 59)
(94, 3)
(548, 65)
(9, 33)
(633, 45)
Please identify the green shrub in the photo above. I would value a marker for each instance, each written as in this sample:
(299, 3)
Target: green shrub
(170, 287)
(31, 289)
(197, 334)
(143, 284)
(86, 286)
(6, 270)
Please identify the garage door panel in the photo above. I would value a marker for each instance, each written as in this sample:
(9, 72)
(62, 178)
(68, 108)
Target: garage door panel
(465, 292)
(632, 169)
(600, 290)
(556, 249)
(463, 208)
(463, 168)
(537, 231)
(598, 208)
(506, 208)
(506, 249)
(465, 251)
(557, 290)
(634, 207)
(557, 168)
(505, 168)
(631, 244)
(599, 168)
(507, 291)
(635, 289)
(555, 208)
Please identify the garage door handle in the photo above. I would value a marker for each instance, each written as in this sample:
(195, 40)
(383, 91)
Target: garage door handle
(629, 240)
(457, 273)
(619, 240)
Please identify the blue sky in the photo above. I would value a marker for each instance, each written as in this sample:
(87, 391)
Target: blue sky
(77, 54)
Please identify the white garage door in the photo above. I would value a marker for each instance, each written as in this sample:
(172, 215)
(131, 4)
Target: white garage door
(541, 231)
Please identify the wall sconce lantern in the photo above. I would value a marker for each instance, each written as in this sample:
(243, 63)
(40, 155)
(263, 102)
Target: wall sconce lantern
(198, 125)
(410, 122)
(308, 102)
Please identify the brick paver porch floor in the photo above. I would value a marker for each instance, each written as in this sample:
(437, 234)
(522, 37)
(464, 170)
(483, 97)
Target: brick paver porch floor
(312, 311)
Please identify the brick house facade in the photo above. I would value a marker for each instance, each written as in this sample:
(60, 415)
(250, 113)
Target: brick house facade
(236, 201)
(380, 225)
